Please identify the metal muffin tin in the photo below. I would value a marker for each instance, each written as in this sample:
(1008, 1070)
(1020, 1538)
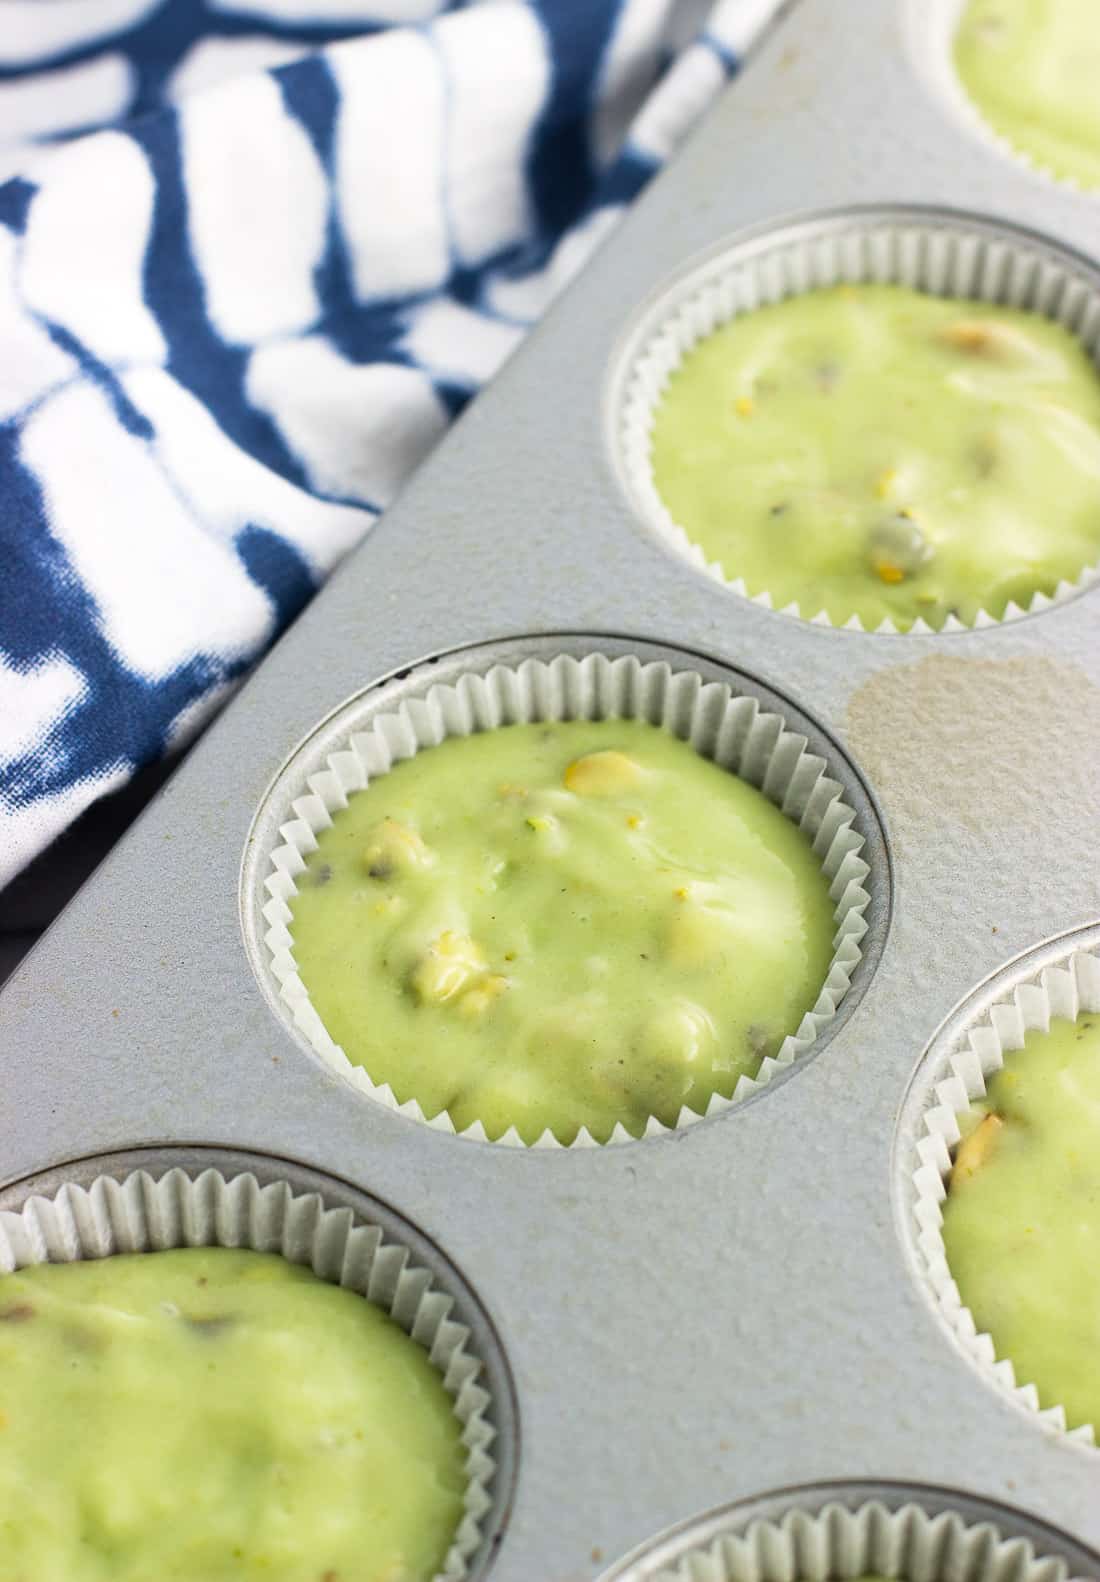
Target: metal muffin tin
(698, 1318)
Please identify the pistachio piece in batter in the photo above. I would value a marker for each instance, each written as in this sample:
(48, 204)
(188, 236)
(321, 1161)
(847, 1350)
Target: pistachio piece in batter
(604, 773)
(897, 548)
(394, 848)
(975, 1149)
(453, 963)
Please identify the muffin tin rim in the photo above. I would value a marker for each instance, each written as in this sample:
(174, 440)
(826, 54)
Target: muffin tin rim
(336, 1192)
(803, 226)
(447, 667)
(675, 1543)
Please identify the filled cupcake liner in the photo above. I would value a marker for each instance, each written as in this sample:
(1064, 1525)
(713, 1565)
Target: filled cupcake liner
(1063, 986)
(932, 25)
(837, 1539)
(731, 729)
(940, 255)
(146, 1213)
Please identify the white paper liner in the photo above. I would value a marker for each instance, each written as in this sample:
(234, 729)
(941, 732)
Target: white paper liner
(730, 729)
(837, 1541)
(960, 1073)
(932, 26)
(943, 256)
(143, 1213)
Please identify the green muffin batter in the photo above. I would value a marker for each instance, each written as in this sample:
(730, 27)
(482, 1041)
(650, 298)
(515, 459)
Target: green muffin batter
(557, 926)
(1022, 1217)
(874, 451)
(207, 1414)
(1032, 69)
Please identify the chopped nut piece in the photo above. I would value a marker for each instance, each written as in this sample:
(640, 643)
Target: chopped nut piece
(453, 963)
(601, 774)
(897, 548)
(394, 848)
(989, 338)
(974, 1150)
(475, 1002)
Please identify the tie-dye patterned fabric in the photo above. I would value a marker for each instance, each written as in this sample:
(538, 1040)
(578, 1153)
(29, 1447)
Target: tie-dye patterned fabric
(236, 316)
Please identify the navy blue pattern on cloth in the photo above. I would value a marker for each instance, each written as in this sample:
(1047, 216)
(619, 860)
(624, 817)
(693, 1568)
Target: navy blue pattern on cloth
(255, 255)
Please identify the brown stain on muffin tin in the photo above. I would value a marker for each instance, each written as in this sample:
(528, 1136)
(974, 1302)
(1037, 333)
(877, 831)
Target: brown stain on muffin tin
(979, 742)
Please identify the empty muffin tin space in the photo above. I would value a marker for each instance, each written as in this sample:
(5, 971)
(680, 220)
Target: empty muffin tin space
(729, 718)
(849, 1528)
(149, 1200)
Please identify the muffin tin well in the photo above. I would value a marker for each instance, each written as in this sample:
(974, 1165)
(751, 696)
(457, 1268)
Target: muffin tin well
(837, 1530)
(729, 719)
(152, 1200)
(734, 1306)
(931, 26)
(1059, 978)
(934, 252)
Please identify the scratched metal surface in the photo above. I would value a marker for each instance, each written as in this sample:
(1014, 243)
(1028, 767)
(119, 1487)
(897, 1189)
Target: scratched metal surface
(704, 1317)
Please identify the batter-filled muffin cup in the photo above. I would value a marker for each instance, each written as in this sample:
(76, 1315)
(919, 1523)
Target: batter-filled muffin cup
(567, 940)
(1004, 1181)
(865, 1533)
(199, 1311)
(890, 424)
(1019, 75)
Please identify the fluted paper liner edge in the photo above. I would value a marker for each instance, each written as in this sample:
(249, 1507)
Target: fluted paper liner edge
(147, 1213)
(838, 1541)
(1063, 989)
(731, 729)
(941, 256)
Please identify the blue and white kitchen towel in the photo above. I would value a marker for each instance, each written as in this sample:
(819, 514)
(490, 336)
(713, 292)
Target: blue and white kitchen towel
(292, 238)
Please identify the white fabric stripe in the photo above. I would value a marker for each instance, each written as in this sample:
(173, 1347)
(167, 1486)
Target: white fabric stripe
(31, 363)
(227, 488)
(389, 158)
(166, 589)
(34, 30)
(457, 343)
(213, 60)
(675, 105)
(33, 701)
(626, 75)
(84, 249)
(359, 430)
(62, 101)
(258, 205)
(737, 23)
(498, 74)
